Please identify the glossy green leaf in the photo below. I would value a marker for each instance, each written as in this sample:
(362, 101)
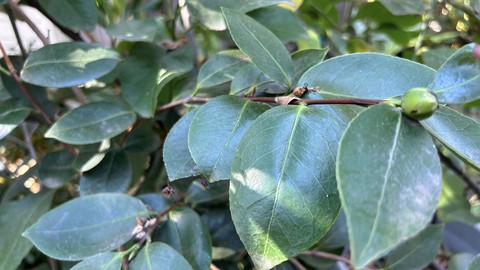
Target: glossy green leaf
(146, 71)
(90, 155)
(86, 226)
(284, 23)
(178, 160)
(92, 122)
(152, 29)
(435, 57)
(12, 114)
(186, 233)
(247, 78)
(383, 159)
(154, 201)
(143, 139)
(458, 79)
(261, 45)
(404, 7)
(457, 132)
(208, 12)
(305, 59)
(216, 193)
(232, 115)
(474, 264)
(460, 261)
(15, 217)
(367, 75)
(56, 169)
(73, 14)
(380, 14)
(159, 256)
(112, 174)
(416, 252)
(221, 68)
(283, 195)
(68, 64)
(222, 231)
(102, 261)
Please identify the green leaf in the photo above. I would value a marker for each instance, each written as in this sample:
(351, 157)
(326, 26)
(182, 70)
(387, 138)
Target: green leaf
(232, 115)
(186, 233)
(73, 14)
(367, 75)
(261, 45)
(68, 64)
(458, 79)
(178, 160)
(12, 114)
(457, 132)
(378, 13)
(221, 228)
(283, 195)
(284, 23)
(152, 29)
(474, 264)
(56, 169)
(90, 155)
(102, 261)
(208, 13)
(91, 123)
(143, 139)
(416, 252)
(305, 59)
(15, 217)
(112, 174)
(435, 57)
(460, 261)
(383, 159)
(159, 256)
(146, 71)
(221, 68)
(405, 7)
(216, 193)
(85, 226)
(247, 78)
(154, 201)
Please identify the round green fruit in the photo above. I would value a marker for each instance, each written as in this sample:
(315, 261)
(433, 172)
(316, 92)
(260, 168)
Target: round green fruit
(419, 103)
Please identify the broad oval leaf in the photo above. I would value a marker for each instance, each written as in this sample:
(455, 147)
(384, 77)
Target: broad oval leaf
(367, 75)
(305, 59)
(68, 64)
(15, 217)
(112, 174)
(221, 68)
(283, 195)
(216, 193)
(416, 252)
(159, 256)
(186, 233)
(12, 114)
(231, 115)
(457, 132)
(73, 14)
(152, 29)
(248, 78)
(102, 261)
(383, 159)
(474, 264)
(458, 79)
(91, 123)
(178, 160)
(90, 155)
(261, 45)
(85, 226)
(56, 169)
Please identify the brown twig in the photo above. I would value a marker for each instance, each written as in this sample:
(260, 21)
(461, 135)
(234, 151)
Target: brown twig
(22, 87)
(12, 19)
(13, 5)
(297, 264)
(449, 163)
(124, 258)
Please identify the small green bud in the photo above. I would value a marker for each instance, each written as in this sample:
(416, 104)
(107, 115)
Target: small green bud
(419, 103)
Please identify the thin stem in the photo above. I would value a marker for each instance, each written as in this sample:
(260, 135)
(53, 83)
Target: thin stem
(80, 95)
(11, 17)
(124, 258)
(22, 87)
(449, 163)
(28, 141)
(297, 264)
(4, 71)
(13, 5)
(53, 263)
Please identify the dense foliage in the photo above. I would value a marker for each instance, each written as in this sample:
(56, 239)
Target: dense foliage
(200, 134)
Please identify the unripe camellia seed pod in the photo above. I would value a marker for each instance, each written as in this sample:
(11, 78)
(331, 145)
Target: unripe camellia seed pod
(419, 103)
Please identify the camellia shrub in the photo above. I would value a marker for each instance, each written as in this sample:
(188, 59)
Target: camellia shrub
(242, 135)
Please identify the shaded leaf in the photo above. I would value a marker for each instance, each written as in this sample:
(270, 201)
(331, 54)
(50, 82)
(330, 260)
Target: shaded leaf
(261, 45)
(112, 174)
(221, 68)
(474, 264)
(68, 64)
(283, 195)
(459, 237)
(152, 29)
(143, 139)
(216, 193)
(91, 123)
(385, 158)
(154, 201)
(12, 114)
(404, 7)
(159, 256)
(416, 252)
(460, 261)
(90, 155)
(232, 115)
(85, 226)
(15, 217)
(305, 59)
(221, 229)
(178, 160)
(186, 232)
(362, 76)
(248, 78)
(379, 13)
(56, 169)
(102, 261)
(73, 14)
(457, 132)
(435, 57)
(458, 79)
